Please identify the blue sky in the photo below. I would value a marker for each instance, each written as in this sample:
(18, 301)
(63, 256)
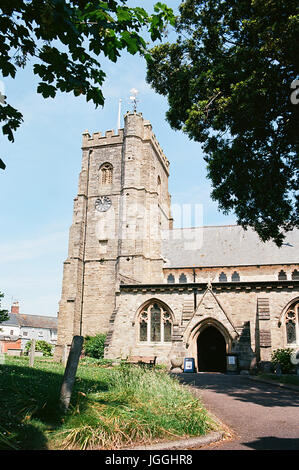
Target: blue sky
(40, 182)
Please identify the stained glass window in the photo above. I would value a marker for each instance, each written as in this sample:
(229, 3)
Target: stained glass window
(291, 327)
(291, 324)
(155, 324)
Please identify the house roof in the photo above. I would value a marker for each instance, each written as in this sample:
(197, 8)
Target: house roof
(12, 321)
(228, 245)
(37, 321)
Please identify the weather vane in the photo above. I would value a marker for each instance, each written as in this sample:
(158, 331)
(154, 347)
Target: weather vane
(134, 99)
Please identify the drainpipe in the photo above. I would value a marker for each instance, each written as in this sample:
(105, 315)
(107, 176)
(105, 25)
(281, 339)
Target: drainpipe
(194, 290)
(84, 244)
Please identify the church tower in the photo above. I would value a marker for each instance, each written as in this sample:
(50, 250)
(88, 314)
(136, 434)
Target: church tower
(121, 208)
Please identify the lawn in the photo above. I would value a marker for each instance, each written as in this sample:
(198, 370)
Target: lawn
(110, 408)
(287, 379)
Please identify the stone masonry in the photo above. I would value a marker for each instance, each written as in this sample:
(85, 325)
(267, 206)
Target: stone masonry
(159, 296)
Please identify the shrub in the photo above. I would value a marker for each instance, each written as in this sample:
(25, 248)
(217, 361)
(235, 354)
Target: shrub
(40, 345)
(282, 357)
(94, 346)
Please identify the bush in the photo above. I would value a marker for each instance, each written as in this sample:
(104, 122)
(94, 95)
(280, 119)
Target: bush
(94, 346)
(40, 345)
(282, 357)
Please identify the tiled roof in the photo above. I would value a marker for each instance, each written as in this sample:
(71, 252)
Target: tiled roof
(12, 321)
(38, 321)
(228, 245)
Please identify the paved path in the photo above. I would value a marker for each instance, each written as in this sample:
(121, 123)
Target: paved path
(262, 416)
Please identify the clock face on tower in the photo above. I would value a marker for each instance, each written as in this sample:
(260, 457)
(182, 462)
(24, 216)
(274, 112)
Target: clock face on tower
(103, 203)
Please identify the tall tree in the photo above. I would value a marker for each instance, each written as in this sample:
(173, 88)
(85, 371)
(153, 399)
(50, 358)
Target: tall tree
(230, 78)
(63, 39)
(4, 315)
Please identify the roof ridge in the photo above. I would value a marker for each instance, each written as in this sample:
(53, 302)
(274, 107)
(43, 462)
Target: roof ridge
(206, 226)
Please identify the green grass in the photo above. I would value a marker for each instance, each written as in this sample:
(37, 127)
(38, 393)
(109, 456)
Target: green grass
(285, 378)
(110, 408)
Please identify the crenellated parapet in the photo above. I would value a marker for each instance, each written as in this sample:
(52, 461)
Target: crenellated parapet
(135, 126)
(99, 140)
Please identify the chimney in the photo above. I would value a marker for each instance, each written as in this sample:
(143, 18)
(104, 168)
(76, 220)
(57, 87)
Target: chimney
(15, 307)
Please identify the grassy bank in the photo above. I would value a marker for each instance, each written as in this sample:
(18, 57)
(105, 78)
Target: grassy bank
(111, 407)
(287, 379)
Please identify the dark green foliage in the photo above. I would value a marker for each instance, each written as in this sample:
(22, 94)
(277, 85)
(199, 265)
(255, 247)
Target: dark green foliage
(282, 357)
(40, 345)
(94, 346)
(228, 81)
(62, 39)
(4, 315)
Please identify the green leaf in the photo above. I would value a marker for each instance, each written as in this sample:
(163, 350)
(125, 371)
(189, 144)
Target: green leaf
(46, 90)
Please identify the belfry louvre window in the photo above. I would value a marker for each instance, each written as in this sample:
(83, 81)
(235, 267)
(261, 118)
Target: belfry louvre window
(106, 174)
(291, 324)
(155, 324)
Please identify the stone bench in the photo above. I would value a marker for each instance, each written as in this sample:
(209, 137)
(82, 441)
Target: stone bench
(147, 360)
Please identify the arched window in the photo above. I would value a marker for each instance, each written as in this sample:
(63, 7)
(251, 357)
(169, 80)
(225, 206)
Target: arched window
(295, 275)
(222, 277)
(291, 324)
(155, 324)
(182, 279)
(106, 174)
(235, 277)
(170, 279)
(282, 275)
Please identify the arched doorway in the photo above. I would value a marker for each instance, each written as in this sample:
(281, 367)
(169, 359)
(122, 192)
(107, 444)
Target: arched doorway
(211, 350)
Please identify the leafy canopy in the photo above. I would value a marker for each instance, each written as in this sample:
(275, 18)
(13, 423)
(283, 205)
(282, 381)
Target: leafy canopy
(4, 315)
(228, 78)
(63, 39)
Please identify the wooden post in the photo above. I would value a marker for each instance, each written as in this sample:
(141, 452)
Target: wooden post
(70, 372)
(32, 353)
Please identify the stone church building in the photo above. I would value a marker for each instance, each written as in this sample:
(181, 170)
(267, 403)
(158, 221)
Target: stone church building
(205, 293)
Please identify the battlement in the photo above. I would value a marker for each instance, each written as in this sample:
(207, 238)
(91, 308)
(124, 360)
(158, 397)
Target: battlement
(135, 125)
(159, 150)
(97, 139)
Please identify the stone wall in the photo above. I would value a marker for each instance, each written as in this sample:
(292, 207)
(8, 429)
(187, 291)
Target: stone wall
(248, 317)
(122, 242)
